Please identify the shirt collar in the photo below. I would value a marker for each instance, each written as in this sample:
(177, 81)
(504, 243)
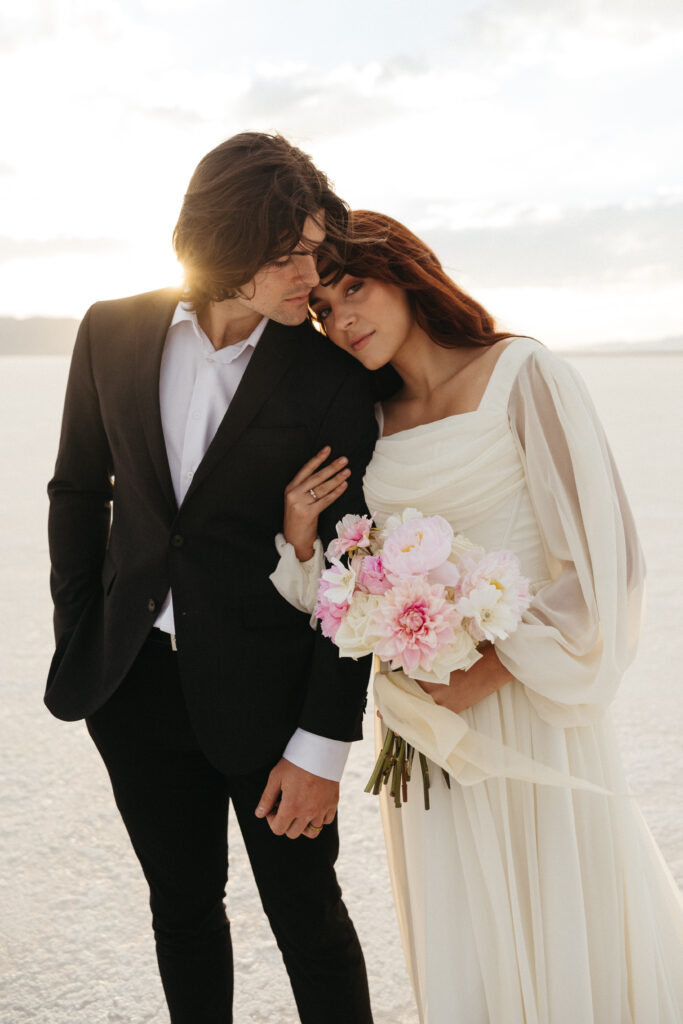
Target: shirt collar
(231, 352)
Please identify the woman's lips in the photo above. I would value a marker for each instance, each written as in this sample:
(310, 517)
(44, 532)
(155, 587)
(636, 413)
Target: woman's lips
(360, 342)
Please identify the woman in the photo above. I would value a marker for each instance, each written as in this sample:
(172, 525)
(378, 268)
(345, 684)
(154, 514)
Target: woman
(531, 892)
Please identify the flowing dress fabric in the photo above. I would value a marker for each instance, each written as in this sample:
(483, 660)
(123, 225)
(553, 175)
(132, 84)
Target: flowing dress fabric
(531, 892)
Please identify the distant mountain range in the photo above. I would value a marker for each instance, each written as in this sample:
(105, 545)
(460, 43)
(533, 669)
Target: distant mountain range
(660, 347)
(45, 336)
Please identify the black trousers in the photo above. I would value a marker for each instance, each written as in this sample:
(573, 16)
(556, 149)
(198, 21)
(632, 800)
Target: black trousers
(174, 804)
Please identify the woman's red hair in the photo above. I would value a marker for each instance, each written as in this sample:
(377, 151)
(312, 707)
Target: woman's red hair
(381, 248)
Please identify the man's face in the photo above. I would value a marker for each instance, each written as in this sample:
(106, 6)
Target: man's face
(280, 290)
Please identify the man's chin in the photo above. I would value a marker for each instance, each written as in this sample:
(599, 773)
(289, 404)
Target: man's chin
(290, 317)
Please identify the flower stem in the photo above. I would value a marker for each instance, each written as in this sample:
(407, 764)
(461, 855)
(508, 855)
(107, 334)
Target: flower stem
(425, 779)
(393, 768)
(374, 782)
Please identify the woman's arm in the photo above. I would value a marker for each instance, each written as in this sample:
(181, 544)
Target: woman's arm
(467, 688)
(308, 494)
(580, 632)
(301, 559)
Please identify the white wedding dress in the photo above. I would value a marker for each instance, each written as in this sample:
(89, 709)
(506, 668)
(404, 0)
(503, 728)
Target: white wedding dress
(531, 892)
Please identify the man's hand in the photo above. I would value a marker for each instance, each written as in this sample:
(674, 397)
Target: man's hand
(295, 799)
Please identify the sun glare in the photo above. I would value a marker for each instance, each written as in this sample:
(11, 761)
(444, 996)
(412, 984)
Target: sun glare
(70, 283)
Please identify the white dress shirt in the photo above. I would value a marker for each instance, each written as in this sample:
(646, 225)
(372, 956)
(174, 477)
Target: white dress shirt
(196, 385)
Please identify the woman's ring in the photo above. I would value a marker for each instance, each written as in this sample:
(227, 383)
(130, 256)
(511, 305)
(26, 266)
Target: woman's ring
(312, 494)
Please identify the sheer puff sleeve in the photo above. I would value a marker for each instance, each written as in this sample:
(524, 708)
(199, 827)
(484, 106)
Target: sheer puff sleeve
(297, 581)
(580, 632)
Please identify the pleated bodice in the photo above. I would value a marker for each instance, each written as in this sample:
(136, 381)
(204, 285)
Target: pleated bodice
(466, 468)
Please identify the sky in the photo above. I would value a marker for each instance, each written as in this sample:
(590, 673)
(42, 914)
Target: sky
(537, 146)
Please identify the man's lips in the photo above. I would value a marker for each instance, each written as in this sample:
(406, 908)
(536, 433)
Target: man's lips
(359, 341)
(299, 299)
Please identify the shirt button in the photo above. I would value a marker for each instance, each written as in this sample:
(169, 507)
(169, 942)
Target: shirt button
(177, 540)
(151, 605)
(196, 415)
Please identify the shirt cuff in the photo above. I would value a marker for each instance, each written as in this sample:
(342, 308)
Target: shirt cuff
(319, 755)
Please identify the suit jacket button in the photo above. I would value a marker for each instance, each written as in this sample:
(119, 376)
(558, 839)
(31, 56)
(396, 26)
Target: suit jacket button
(151, 605)
(177, 540)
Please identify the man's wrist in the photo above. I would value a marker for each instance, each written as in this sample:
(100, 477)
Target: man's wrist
(318, 755)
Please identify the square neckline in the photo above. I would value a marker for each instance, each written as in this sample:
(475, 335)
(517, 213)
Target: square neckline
(379, 412)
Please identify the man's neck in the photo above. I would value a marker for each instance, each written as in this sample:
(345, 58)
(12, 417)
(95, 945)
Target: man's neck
(226, 323)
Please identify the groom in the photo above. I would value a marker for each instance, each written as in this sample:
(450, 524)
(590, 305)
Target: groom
(200, 686)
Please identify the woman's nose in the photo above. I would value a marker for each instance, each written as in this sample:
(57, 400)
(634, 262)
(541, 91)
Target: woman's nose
(347, 318)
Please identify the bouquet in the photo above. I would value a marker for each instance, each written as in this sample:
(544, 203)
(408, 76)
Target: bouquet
(421, 598)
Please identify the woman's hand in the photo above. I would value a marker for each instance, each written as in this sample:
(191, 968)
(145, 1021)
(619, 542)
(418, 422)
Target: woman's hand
(310, 492)
(467, 688)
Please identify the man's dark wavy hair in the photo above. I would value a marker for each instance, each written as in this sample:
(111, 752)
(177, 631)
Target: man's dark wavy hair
(245, 206)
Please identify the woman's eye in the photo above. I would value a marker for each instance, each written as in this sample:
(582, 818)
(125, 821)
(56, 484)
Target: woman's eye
(323, 314)
(353, 288)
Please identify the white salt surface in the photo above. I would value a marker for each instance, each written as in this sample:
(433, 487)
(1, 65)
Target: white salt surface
(75, 938)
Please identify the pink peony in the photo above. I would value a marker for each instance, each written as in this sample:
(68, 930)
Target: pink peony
(416, 547)
(414, 623)
(370, 575)
(352, 532)
(329, 613)
(492, 594)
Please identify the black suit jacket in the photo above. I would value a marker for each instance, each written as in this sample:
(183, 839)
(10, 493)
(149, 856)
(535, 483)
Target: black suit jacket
(252, 669)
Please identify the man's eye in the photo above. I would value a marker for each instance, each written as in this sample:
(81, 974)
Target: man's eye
(283, 262)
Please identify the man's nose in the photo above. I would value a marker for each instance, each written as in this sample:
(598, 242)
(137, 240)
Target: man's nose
(307, 270)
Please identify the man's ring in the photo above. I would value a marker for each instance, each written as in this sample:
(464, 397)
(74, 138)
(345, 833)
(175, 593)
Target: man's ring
(314, 828)
(312, 494)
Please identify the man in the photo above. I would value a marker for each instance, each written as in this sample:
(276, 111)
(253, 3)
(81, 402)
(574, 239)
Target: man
(200, 686)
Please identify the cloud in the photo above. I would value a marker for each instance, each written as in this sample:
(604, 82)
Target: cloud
(32, 248)
(177, 116)
(306, 101)
(586, 248)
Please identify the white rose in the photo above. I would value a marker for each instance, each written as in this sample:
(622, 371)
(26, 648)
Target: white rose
(355, 638)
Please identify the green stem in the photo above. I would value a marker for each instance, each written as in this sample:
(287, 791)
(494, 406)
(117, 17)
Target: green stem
(393, 768)
(425, 779)
(379, 764)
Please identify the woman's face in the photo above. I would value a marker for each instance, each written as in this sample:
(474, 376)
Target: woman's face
(370, 319)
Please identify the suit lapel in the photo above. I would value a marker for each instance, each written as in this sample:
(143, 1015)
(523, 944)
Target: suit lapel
(274, 354)
(151, 328)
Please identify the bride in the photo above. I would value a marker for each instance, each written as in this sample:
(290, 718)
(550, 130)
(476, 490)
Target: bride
(531, 892)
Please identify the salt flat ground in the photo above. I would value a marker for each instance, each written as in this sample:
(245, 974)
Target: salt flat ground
(75, 941)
